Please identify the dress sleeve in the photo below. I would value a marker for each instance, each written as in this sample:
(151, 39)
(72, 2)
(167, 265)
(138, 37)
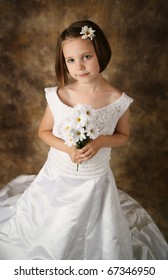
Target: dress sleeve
(124, 104)
(50, 94)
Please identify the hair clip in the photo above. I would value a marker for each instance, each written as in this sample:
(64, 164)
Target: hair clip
(87, 32)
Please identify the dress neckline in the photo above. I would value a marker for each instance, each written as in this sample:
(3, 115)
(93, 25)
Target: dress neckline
(95, 109)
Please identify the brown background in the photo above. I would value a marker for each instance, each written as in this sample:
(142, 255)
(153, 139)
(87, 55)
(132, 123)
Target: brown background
(137, 31)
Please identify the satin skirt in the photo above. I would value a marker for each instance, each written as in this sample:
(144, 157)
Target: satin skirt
(50, 216)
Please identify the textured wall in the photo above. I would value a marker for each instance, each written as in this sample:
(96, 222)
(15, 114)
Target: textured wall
(137, 31)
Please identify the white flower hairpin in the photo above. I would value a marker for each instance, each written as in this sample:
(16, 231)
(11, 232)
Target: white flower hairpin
(87, 32)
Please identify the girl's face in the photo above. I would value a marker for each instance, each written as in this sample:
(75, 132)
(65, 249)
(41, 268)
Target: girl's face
(81, 59)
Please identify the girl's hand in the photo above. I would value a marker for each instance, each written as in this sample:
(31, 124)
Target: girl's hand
(74, 155)
(90, 150)
(87, 152)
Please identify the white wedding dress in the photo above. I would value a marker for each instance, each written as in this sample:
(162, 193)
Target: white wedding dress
(65, 214)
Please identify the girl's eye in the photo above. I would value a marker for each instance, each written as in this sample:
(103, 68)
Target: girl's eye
(70, 60)
(87, 57)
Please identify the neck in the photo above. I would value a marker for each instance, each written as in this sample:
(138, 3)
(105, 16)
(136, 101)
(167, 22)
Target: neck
(92, 86)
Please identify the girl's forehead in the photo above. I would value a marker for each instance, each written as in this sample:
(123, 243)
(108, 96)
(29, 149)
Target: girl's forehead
(77, 45)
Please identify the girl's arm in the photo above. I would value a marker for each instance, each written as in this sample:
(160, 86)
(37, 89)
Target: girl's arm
(120, 136)
(45, 134)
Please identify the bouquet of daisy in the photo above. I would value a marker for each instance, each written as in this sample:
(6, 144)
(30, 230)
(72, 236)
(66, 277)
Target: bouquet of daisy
(80, 128)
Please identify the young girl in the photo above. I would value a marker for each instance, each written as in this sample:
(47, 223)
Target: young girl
(69, 212)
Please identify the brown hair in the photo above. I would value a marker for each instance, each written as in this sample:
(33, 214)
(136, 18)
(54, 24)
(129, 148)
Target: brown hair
(100, 43)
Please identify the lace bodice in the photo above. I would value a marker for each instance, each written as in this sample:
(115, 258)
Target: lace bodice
(106, 120)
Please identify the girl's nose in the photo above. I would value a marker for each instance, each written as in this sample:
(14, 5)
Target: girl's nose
(80, 65)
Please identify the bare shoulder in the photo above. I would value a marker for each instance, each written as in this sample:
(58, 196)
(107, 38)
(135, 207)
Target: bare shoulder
(115, 93)
(61, 91)
(112, 93)
(65, 94)
(65, 89)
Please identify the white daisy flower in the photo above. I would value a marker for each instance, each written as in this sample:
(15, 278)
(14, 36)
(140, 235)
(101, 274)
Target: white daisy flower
(79, 119)
(85, 111)
(66, 127)
(79, 135)
(92, 131)
(69, 141)
(87, 32)
(80, 127)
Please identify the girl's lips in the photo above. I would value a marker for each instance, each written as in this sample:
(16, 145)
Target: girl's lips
(83, 75)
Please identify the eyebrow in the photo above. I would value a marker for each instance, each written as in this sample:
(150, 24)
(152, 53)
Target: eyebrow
(81, 54)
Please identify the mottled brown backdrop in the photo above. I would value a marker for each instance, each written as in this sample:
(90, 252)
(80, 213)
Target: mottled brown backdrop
(138, 34)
